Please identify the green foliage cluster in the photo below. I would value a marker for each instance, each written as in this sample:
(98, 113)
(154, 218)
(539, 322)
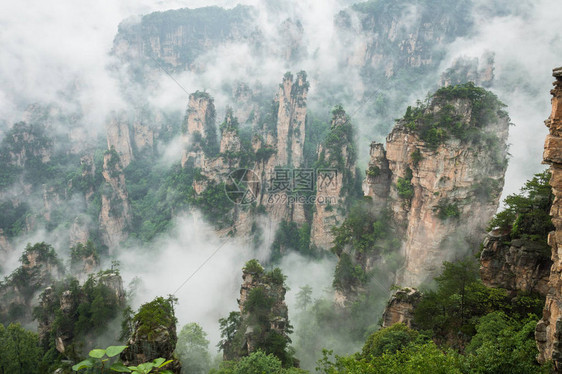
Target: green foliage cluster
(88, 311)
(340, 136)
(436, 126)
(253, 266)
(100, 361)
(452, 311)
(193, 349)
(527, 214)
(20, 351)
(257, 362)
(153, 315)
(416, 157)
(13, 218)
(361, 233)
(215, 204)
(464, 327)
(446, 210)
(404, 186)
(290, 236)
(263, 305)
(373, 171)
(364, 232)
(81, 251)
(348, 275)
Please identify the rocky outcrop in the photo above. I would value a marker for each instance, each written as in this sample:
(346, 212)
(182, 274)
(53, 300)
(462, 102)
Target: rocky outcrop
(480, 71)
(119, 138)
(548, 333)
(336, 176)
(62, 301)
(400, 307)
(263, 313)
(291, 117)
(278, 314)
(440, 193)
(199, 130)
(515, 265)
(130, 135)
(153, 336)
(79, 232)
(39, 268)
(377, 183)
(176, 38)
(26, 142)
(386, 39)
(114, 217)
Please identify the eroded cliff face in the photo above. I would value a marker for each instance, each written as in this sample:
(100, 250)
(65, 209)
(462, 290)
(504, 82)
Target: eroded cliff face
(114, 217)
(335, 178)
(291, 119)
(177, 37)
(62, 301)
(386, 38)
(515, 265)
(39, 268)
(400, 307)
(153, 335)
(130, 135)
(439, 192)
(119, 138)
(199, 130)
(263, 314)
(548, 332)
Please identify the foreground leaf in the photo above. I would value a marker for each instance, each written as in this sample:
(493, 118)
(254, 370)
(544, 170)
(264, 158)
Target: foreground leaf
(114, 350)
(83, 365)
(97, 353)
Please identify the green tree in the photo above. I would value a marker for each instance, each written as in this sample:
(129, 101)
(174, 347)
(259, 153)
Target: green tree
(527, 214)
(304, 297)
(388, 340)
(20, 352)
(193, 349)
(502, 345)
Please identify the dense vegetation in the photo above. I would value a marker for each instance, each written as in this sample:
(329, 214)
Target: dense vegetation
(86, 313)
(438, 120)
(361, 234)
(262, 311)
(461, 327)
(527, 214)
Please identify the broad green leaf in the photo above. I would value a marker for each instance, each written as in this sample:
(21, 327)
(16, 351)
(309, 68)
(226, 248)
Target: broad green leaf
(158, 362)
(97, 353)
(145, 367)
(83, 365)
(120, 368)
(166, 372)
(114, 350)
(165, 363)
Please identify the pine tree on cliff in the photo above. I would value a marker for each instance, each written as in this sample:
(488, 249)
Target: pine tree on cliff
(262, 323)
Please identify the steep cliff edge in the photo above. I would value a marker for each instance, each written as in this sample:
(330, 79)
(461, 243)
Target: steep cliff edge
(70, 316)
(153, 335)
(40, 267)
(114, 217)
(515, 265)
(263, 317)
(335, 181)
(548, 333)
(443, 170)
(400, 307)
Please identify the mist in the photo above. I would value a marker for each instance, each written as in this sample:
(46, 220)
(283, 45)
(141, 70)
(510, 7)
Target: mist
(60, 54)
